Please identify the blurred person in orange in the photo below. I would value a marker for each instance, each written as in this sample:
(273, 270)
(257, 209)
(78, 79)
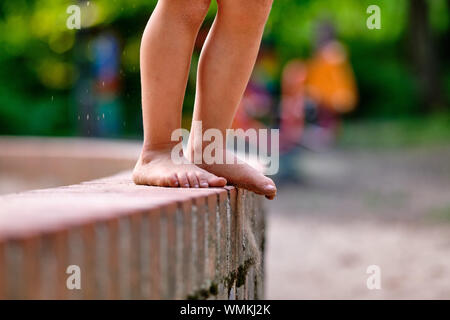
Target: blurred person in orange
(313, 94)
(330, 83)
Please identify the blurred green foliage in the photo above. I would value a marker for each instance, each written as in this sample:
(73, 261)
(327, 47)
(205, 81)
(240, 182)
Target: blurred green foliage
(38, 69)
(412, 131)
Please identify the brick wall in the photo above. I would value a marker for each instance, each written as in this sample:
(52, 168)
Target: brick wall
(132, 242)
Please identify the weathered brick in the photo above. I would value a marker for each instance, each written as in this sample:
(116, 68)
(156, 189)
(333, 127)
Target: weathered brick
(240, 238)
(48, 267)
(250, 283)
(135, 259)
(212, 213)
(188, 263)
(168, 250)
(131, 242)
(102, 267)
(76, 257)
(180, 290)
(14, 270)
(60, 245)
(113, 288)
(22, 268)
(155, 253)
(200, 277)
(31, 267)
(232, 196)
(89, 253)
(224, 242)
(145, 253)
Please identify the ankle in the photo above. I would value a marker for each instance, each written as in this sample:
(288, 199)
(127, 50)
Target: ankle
(151, 151)
(149, 147)
(208, 153)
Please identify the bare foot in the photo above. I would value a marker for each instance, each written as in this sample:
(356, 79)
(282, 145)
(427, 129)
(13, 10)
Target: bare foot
(243, 175)
(156, 168)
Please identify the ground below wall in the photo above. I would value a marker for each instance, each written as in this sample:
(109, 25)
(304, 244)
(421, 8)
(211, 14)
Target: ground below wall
(131, 242)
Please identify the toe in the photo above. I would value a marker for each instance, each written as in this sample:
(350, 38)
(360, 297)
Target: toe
(137, 179)
(269, 188)
(172, 180)
(183, 180)
(260, 184)
(202, 180)
(193, 181)
(215, 181)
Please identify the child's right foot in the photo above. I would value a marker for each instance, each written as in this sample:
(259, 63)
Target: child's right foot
(156, 168)
(242, 175)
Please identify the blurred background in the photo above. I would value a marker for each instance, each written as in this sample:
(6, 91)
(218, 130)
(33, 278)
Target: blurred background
(363, 115)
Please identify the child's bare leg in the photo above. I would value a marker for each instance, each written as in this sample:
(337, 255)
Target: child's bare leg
(166, 50)
(226, 62)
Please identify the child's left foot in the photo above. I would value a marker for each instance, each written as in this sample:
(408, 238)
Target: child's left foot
(243, 175)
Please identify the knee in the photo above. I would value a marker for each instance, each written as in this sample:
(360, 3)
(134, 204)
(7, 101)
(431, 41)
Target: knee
(191, 12)
(196, 10)
(247, 13)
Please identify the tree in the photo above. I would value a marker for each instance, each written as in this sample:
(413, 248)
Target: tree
(425, 57)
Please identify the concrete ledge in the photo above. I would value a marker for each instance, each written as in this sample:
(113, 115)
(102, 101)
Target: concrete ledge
(132, 242)
(28, 163)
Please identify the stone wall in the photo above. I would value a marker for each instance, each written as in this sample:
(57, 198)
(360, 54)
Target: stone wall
(132, 242)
